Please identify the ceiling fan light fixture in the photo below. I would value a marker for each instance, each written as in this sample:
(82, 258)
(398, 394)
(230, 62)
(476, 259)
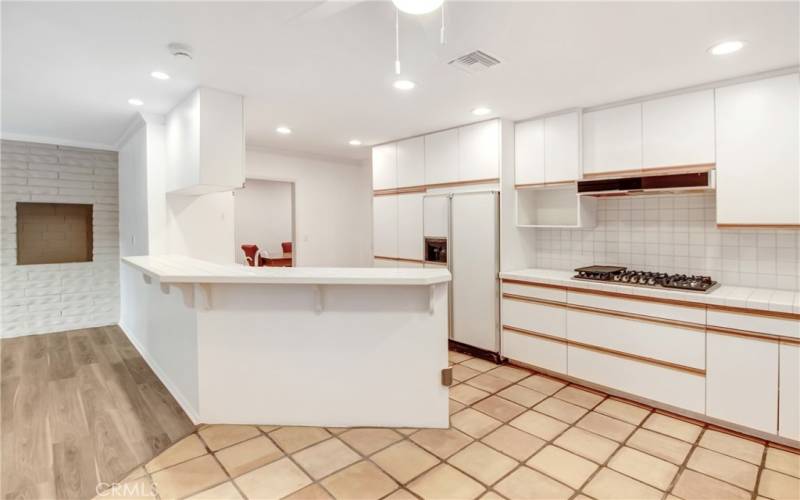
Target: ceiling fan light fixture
(417, 7)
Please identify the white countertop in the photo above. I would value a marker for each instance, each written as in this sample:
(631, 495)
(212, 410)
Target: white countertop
(180, 269)
(763, 299)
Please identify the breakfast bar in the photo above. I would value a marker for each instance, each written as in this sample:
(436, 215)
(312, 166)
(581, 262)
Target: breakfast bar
(333, 347)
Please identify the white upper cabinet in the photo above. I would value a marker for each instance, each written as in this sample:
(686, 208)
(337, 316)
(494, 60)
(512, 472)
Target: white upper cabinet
(529, 152)
(384, 225)
(384, 166)
(411, 162)
(562, 147)
(479, 151)
(678, 130)
(441, 157)
(612, 139)
(409, 226)
(205, 143)
(548, 149)
(758, 159)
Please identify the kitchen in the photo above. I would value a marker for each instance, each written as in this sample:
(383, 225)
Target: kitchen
(598, 295)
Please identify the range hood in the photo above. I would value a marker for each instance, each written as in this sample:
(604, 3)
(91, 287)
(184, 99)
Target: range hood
(657, 183)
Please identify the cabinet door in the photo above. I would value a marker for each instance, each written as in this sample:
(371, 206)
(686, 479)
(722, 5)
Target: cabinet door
(742, 381)
(384, 225)
(757, 152)
(678, 130)
(441, 157)
(789, 412)
(384, 166)
(612, 139)
(411, 162)
(479, 151)
(529, 152)
(562, 136)
(436, 216)
(409, 226)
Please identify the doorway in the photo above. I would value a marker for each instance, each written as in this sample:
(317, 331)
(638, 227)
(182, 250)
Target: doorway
(264, 217)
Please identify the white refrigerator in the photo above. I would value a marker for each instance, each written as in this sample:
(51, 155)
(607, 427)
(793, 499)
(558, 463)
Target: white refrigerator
(470, 223)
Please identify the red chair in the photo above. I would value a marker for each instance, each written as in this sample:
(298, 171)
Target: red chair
(286, 246)
(250, 252)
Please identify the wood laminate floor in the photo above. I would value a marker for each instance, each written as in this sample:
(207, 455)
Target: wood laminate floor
(79, 408)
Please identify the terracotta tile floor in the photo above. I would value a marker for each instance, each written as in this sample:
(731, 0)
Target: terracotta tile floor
(514, 434)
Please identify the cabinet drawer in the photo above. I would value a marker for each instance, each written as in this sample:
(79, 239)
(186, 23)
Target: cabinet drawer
(754, 323)
(662, 384)
(742, 381)
(535, 317)
(685, 314)
(543, 353)
(536, 292)
(662, 342)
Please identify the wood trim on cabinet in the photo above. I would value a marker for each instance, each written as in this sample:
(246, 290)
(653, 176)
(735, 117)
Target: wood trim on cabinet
(523, 298)
(733, 332)
(639, 317)
(646, 172)
(572, 289)
(545, 184)
(399, 259)
(533, 283)
(642, 298)
(538, 335)
(606, 350)
(404, 190)
(425, 187)
(755, 312)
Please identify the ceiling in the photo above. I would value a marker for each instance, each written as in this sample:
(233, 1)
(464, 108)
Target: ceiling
(325, 69)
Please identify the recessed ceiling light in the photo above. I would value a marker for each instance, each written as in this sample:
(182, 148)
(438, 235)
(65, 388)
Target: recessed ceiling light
(135, 102)
(723, 48)
(354, 142)
(159, 75)
(283, 130)
(417, 7)
(480, 111)
(404, 85)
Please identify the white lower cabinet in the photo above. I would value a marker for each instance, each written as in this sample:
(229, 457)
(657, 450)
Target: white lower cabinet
(384, 226)
(547, 320)
(789, 415)
(662, 342)
(658, 383)
(742, 381)
(409, 226)
(542, 353)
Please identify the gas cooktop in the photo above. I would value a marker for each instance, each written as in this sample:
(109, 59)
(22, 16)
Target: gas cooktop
(623, 276)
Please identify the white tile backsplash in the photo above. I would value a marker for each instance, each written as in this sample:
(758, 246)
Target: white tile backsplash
(675, 234)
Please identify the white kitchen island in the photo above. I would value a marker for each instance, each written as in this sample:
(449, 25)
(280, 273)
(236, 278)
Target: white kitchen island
(334, 347)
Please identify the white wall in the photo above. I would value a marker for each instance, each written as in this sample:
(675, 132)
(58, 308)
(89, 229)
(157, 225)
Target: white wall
(333, 206)
(675, 234)
(263, 216)
(45, 298)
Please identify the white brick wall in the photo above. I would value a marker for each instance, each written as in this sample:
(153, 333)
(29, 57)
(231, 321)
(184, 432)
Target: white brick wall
(52, 297)
(675, 234)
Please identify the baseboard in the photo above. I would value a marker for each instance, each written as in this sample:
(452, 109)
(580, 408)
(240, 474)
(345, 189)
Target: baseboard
(171, 387)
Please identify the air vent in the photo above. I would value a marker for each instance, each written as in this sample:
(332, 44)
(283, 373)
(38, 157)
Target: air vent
(474, 62)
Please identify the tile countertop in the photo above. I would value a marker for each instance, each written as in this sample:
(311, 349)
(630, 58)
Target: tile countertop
(180, 269)
(764, 299)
